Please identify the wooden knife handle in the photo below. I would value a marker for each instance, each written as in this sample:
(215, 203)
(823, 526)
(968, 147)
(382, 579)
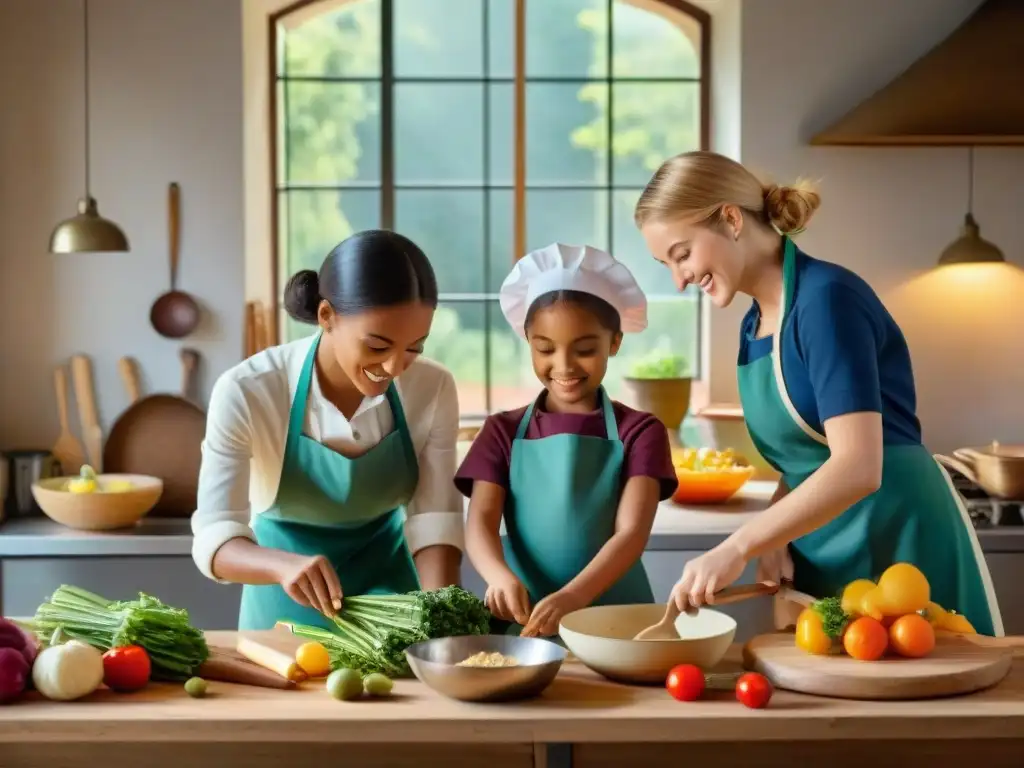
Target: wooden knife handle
(130, 379)
(81, 373)
(744, 592)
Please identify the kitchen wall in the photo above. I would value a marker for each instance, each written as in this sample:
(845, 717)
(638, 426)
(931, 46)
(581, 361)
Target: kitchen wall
(167, 105)
(888, 213)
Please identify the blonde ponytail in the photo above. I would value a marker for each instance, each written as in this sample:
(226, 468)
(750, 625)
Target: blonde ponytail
(694, 186)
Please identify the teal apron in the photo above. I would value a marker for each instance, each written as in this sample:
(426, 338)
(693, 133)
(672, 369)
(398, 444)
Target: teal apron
(348, 510)
(916, 516)
(564, 493)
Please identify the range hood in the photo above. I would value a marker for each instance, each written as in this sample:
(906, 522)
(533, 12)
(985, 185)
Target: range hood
(968, 90)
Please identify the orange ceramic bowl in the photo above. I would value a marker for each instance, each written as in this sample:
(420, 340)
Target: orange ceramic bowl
(710, 486)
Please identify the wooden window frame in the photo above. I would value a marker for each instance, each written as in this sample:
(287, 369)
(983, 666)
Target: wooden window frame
(309, 8)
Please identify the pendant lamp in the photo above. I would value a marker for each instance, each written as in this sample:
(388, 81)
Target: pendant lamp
(970, 247)
(87, 232)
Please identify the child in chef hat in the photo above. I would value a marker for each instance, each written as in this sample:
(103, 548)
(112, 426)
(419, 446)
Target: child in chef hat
(576, 476)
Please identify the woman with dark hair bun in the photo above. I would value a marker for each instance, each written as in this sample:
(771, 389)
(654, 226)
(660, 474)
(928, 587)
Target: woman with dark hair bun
(328, 462)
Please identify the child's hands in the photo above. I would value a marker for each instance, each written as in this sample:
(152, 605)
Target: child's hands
(508, 600)
(548, 614)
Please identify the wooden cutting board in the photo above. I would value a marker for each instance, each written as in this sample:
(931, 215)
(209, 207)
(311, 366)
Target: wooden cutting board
(955, 667)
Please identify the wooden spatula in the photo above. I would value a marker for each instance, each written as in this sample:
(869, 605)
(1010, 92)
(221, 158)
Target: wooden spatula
(92, 433)
(68, 449)
(189, 366)
(130, 379)
(665, 628)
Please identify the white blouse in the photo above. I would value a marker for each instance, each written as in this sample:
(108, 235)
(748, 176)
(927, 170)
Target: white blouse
(247, 426)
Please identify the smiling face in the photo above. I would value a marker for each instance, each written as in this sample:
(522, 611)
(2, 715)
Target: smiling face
(570, 347)
(372, 347)
(710, 257)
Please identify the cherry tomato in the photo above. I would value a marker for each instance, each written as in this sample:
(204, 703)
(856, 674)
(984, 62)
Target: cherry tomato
(126, 668)
(685, 682)
(753, 690)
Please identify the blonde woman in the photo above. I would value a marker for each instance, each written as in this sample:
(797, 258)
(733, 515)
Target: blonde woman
(827, 390)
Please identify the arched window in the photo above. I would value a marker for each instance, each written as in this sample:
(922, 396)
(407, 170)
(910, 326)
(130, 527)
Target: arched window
(402, 114)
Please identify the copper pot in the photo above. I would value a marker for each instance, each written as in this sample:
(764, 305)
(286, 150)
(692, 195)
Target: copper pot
(998, 469)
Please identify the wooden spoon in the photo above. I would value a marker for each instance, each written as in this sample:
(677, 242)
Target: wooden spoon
(67, 450)
(665, 628)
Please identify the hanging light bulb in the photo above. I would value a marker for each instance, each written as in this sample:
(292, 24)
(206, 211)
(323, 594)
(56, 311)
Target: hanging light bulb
(971, 247)
(87, 232)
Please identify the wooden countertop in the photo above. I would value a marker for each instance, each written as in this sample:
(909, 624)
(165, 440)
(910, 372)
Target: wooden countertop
(579, 707)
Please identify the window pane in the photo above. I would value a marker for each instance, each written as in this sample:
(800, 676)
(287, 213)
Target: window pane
(439, 38)
(501, 24)
(574, 217)
(292, 329)
(448, 225)
(566, 134)
(314, 221)
(457, 342)
(331, 133)
(652, 122)
(652, 44)
(341, 43)
(513, 382)
(628, 246)
(438, 133)
(567, 38)
(672, 328)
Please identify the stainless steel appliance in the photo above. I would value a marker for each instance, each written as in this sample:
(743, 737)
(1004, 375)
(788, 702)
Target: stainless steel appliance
(24, 468)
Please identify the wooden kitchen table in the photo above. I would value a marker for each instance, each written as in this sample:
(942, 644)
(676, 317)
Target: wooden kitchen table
(581, 721)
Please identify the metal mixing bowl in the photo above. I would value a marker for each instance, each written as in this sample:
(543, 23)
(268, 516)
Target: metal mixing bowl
(435, 663)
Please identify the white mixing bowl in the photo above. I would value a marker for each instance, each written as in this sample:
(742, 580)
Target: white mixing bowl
(602, 638)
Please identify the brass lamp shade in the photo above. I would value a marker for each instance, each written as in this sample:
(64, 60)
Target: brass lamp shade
(88, 232)
(970, 247)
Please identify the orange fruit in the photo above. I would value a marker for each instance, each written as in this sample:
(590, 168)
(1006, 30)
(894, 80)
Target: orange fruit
(912, 636)
(866, 639)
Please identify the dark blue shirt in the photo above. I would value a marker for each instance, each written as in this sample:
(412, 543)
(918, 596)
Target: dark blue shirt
(842, 352)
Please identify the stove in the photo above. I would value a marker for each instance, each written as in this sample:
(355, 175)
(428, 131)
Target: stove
(985, 511)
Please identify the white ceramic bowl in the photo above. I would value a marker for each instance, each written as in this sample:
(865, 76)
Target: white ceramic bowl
(602, 638)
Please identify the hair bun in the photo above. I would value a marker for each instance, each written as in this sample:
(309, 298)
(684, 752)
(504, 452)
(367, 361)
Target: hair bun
(788, 209)
(302, 296)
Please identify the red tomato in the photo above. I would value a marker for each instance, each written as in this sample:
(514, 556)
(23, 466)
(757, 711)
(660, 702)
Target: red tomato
(126, 668)
(685, 682)
(753, 690)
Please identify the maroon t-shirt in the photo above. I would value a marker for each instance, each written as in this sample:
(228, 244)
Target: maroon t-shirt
(644, 438)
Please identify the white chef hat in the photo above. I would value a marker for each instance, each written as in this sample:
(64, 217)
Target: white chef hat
(560, 267)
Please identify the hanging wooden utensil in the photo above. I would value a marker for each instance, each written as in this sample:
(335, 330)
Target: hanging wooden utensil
(130, 378)
(85, 396)
(68, 449)
(161, 436)
(175, 314)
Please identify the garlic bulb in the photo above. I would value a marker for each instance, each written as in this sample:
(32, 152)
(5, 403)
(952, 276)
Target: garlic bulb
(68, 671)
